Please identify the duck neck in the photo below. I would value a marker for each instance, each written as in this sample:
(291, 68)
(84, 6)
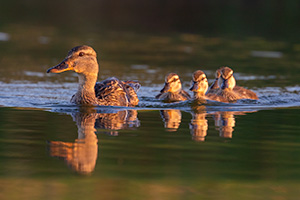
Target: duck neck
(86, 89)
(87, 82)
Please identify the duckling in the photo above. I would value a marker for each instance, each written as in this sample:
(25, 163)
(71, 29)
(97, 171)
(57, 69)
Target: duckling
(228, 88)
(243, 92)
(214, 86)
(200, 86)
(172, 90)
(110, 92)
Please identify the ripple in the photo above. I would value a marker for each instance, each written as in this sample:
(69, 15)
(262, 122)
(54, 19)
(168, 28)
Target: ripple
(56, 97)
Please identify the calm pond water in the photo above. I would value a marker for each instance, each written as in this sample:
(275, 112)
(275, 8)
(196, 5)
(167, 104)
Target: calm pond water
(51, 149)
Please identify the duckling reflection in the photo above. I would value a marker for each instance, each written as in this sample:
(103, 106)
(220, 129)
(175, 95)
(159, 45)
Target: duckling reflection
(199, 125)
(81, 155)
(225, 124)
(171, 118)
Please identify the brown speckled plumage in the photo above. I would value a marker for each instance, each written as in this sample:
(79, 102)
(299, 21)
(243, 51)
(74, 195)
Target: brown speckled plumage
(172, 90)
(200, 86)
(110, 92)
(239, 92)
(228, 88)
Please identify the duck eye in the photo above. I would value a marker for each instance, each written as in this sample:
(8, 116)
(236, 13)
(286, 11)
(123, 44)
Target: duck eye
(81, 54)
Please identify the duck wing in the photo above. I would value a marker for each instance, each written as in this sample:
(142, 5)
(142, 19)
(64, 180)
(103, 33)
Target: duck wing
(111, 91)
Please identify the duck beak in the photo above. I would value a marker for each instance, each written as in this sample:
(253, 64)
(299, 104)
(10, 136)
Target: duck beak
(166, 88)
(61, 67)
(195, 86)
(224, 84)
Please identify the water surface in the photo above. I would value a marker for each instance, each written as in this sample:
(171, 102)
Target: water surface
(228, 155)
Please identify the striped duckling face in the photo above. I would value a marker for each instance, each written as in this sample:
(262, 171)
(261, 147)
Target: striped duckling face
(199, 83)
(226, 79)
(172, 83)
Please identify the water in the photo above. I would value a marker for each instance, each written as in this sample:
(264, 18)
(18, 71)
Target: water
(259, 154)
(51, 149)
(172, 151)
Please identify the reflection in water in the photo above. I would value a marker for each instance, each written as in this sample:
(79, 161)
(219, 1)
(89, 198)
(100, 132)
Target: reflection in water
(82, 154)
(112, 122)
(224, 122)
(171, 118)
(198, 125)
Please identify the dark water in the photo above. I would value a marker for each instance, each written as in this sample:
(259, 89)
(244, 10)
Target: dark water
(228, 155)
(51, 149)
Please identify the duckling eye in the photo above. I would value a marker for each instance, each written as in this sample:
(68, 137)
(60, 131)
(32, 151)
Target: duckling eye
(174, 80)
(81, 54)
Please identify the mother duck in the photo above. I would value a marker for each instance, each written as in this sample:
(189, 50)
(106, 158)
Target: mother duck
(110, 92)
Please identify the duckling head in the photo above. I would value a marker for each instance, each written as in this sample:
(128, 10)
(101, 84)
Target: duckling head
(226, 79)
(199, 83)
(218, 73)
(172, 83)
(80, 59)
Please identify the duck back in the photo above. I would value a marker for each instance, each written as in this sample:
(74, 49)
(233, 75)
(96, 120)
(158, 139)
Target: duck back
(111, 92)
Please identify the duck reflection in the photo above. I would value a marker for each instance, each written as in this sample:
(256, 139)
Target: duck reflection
(171, 118)
(199, 125)
(81, 155)
(112, 122)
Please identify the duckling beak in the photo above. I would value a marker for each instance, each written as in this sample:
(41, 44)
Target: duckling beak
(166, 88)
(195, 86)
(61, 67)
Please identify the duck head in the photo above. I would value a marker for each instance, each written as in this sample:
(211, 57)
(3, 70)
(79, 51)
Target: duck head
(172, 83)
(226, 79)
(80, 59)
(199, 83)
